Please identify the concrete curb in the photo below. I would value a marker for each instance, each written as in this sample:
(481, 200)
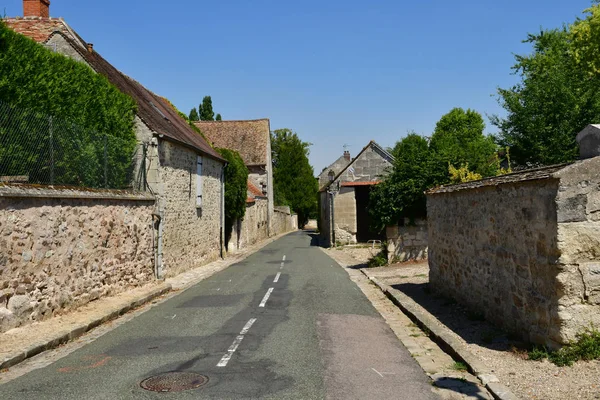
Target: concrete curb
(439, 334)
(80, 329)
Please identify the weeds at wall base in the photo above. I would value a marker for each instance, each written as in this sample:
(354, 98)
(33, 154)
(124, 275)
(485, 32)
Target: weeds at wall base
(585, 348)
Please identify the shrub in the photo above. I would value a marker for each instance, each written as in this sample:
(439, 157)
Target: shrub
(585, 347)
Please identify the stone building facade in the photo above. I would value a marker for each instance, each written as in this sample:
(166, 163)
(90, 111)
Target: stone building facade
(344, 201)
(252, 140)
(328, 174)
(522, 249)
(181, 170)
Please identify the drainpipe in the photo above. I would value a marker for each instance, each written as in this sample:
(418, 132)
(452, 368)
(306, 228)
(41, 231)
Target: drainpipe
(158, 215)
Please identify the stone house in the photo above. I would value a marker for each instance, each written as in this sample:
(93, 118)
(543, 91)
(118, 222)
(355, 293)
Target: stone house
(174, 163)
(252, 139)
(344, 201)
(523, 248)
(329, 173)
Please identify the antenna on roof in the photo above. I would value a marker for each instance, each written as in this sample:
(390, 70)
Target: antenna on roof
(346, 146)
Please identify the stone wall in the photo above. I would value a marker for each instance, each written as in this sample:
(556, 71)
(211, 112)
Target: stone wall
(60, 249)
(578, 280)
(407, 242)
(526, 254)
(284, 221)
(252, 229)
(191, 235)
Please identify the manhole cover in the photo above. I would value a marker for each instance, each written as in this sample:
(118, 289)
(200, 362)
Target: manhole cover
(174, 382)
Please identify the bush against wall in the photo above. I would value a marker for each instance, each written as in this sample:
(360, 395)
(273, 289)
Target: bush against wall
(236, 189)
(41, 83)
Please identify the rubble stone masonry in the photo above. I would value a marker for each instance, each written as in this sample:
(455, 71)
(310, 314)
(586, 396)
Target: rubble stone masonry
(526, 254)
(191, 234)
(60, 249)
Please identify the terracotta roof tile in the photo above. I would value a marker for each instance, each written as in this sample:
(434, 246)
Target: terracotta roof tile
(249, 138)
(255, 191)
(37, 28)
(369, 183)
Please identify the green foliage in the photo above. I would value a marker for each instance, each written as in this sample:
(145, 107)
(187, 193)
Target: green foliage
(585, 39)
(32, 77)
(206, 109)
(380, 259)
(585, 347)
(558, 95)
(293, 175)
(193, 116)
(88, 141)
(462, 174)
(459, 366)
(236, 189)
(402, 192)
(236, 184)
(458, 139)
(218, 117)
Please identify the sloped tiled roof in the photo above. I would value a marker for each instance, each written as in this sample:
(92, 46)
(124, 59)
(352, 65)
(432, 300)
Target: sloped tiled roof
(249, 138)
(37, 28)
(152, 110)
(254, 193)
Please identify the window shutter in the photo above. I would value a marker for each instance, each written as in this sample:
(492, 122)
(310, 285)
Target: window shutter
(199, 181)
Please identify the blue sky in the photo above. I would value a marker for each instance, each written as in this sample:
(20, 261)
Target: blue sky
(336, 72)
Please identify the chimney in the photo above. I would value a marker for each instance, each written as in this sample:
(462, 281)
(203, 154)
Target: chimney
(589, 142)
(36, 8)
(347, 155)
(90, 47)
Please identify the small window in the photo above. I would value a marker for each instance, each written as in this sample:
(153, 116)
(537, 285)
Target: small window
(199, 181)
(331, 175)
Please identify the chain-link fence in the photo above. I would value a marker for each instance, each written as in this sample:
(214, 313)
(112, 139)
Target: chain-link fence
(40, 149)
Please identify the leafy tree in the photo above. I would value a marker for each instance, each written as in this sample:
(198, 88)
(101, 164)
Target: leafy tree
(193, 116)
(401, 194)
(206, 109)
(236, 189)
(218, 117)
(559, 94)
(458, 139)
(293, 176)
(585, 38)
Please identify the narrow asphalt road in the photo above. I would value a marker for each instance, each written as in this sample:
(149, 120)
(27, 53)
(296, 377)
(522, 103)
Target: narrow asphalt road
(286, 323)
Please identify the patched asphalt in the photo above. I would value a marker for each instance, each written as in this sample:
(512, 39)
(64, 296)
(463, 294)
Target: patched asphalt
(317, 337)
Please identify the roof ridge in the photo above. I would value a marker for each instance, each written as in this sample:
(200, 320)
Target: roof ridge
(236, 120)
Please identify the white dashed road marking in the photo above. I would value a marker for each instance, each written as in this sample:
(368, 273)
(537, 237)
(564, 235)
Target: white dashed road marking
(277, 277)
(264, 300)
(225, 359)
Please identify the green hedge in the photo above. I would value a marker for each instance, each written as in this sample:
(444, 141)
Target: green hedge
(35, 80)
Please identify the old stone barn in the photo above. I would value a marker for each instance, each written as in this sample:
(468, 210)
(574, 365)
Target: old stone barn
(344, 201)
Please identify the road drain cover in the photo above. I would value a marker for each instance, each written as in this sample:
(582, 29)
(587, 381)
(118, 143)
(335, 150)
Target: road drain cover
(174, 382)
